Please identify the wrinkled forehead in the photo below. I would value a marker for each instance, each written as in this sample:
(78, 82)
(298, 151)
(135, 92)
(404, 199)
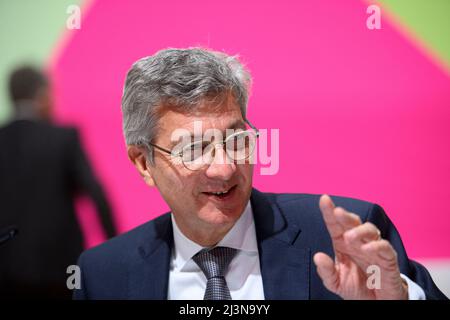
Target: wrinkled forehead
(196, 122)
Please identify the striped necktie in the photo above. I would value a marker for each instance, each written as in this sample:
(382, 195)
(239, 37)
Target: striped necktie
(214, 264)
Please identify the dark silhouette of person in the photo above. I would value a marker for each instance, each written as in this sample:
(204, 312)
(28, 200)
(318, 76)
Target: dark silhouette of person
(42, 170)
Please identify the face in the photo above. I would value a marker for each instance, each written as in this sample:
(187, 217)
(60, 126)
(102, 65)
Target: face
(189, 193)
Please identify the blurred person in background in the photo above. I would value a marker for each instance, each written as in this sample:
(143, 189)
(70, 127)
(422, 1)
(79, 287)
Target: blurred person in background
(42, 169)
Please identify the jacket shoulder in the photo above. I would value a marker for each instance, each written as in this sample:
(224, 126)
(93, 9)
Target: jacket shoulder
(119, 248)
(305, 206)
(38, 130)
(105, 268)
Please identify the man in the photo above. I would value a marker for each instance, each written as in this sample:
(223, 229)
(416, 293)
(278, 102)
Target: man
(42, 169)
(223, 239)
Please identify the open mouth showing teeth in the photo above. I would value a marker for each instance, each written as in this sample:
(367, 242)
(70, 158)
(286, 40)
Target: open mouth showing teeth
(221, 194)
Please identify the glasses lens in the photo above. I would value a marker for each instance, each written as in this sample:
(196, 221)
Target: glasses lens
(194, 155)
(241, 145)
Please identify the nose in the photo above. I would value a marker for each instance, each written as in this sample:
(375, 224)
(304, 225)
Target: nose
(222, 167)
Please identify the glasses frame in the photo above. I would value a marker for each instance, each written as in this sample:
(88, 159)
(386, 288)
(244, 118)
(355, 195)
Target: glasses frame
(180, 154)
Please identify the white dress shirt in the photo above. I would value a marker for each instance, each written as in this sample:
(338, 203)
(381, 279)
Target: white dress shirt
(187, 281)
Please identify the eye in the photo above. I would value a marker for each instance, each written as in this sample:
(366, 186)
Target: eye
(195, 150)
(238, 141)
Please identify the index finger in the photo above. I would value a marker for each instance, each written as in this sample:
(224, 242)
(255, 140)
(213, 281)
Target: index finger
(327, 207)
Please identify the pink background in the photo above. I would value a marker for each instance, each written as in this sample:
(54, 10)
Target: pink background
(361, 113)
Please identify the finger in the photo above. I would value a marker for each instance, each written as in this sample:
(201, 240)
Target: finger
(327, 207)
(381, 253)
(327, 271)
(347, 219)
(385, 258)
(355, 238)
(361, 234)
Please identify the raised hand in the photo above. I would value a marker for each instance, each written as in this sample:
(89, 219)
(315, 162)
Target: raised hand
(357, 246)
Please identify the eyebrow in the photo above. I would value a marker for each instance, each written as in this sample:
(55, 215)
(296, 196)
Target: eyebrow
(237, 124)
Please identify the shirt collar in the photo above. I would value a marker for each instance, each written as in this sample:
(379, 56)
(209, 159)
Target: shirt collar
(242, 236)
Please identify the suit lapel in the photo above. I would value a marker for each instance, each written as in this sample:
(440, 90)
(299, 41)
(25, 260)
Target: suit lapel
(149, 274)
(285, 268)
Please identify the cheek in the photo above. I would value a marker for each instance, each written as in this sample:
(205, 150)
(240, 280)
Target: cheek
(167, 182)
(246, 172)
(175, 185)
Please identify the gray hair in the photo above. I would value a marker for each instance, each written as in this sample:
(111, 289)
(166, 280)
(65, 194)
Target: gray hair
(180, 79)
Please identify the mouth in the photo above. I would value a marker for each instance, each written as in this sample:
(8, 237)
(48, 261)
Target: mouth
(222, 195)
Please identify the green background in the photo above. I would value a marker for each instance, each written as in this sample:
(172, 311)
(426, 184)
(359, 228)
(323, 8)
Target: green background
(29, 32)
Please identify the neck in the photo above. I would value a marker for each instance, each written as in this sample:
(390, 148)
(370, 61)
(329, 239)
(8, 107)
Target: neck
(205, 236)
(26, 109)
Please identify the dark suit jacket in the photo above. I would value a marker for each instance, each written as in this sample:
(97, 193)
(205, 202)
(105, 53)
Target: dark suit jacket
(42, 168)
(289, 229)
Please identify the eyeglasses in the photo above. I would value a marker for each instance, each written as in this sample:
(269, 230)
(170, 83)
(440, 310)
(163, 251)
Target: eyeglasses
(239, 147)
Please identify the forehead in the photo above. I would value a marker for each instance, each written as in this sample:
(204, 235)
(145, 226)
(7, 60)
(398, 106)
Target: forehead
(225, 116)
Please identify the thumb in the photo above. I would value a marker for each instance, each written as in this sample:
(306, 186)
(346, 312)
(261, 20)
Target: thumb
(327, 271)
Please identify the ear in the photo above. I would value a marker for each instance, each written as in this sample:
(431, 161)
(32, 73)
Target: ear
(138, 156)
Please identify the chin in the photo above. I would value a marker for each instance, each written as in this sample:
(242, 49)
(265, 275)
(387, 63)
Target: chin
(218, 217)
